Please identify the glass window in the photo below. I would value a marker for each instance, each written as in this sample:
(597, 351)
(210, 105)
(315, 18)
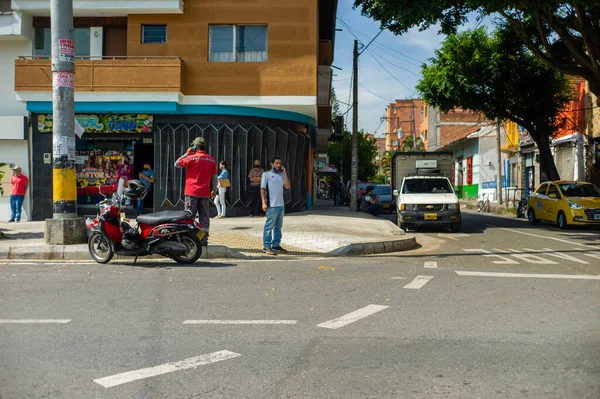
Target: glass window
(552, 189)
(542, 189)
(238, 43)
(423, 186)
(382, 190)
(43, 42)
(579, 190)
(153, 34)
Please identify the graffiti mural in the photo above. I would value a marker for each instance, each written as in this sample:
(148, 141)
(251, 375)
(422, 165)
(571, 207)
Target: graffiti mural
(239, 145)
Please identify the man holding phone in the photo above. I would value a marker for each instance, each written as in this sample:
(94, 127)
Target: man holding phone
(273, 182)
(200, 181)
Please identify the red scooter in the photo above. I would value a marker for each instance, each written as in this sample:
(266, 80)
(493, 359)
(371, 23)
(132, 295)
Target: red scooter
(174, 234)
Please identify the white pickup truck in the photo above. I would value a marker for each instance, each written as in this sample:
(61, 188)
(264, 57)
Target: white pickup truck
(425, 195)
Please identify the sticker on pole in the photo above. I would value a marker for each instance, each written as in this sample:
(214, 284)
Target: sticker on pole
(63, 79)
(63, 146)
(66, 50)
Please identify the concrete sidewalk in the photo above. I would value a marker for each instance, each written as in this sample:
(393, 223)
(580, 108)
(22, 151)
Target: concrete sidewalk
(323, 231)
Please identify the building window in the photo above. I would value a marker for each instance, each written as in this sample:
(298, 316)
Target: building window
(237, 43)
(469, 171)
(154, 34)
(43, 42)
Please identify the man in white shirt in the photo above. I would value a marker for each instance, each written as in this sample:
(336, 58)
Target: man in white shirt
(273, 182)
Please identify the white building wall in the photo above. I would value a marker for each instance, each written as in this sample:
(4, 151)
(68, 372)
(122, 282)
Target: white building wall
(13, 146)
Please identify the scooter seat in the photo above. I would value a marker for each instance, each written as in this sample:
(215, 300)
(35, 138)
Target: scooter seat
(163, 217)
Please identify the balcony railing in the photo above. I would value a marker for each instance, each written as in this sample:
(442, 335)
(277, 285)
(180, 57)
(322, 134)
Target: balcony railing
(109, 74)
(104, 8)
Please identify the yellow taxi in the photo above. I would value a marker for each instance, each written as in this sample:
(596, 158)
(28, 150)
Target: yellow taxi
(565, 203)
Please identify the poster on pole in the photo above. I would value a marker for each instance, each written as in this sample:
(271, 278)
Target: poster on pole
(63, 146)
(62, 79)
(66, 50)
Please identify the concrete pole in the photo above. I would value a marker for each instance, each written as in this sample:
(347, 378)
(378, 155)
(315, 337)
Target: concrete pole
(499, 153)
(65, 227)
(354, 160)
(414, 130)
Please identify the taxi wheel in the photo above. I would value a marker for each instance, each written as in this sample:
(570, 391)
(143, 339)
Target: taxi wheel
(562, 221)
(531, 216)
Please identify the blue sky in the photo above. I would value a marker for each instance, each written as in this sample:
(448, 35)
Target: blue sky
(388, 70)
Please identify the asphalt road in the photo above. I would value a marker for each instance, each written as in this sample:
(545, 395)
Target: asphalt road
(502, 309)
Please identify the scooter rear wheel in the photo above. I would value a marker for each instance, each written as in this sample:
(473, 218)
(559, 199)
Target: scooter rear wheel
(194, 250)
(99, 247)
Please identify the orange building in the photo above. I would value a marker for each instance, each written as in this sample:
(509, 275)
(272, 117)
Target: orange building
(403, 119)
(253, 78)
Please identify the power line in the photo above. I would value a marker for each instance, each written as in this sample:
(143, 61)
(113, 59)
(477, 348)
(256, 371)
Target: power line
(378, 96)
(391, 74)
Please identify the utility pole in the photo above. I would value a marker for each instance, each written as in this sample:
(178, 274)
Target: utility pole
(354, 160)
(64, 227)
(499, 153)
(414, 130)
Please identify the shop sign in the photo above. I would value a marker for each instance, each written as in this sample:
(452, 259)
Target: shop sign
(524, 137)
(109, 123)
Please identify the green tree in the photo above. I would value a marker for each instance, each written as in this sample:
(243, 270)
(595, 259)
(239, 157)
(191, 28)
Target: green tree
(1, 177)
(342, 151)
(409, 144)
(497, 76)
(566, 35)
(335, 104)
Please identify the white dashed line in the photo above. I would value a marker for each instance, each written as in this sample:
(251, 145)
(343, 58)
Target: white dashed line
(240, 322)
(123, 378)
(352, 317)
(418, 282)
(431, 265)
(35, 321)
(529, 275)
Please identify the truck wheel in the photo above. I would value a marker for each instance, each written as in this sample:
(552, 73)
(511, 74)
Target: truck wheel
(402, 226)
(455, 227)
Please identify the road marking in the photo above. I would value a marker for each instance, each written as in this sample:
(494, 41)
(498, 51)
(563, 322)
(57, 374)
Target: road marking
(536, 260)
(596, 256)
(503, 260)
(35, 321)
(431, 265)
(352, 317)
(551, 252)
(526, 275)
(398, 278)
(123, 378)
(240, 322)
(545, 237)
(418, 282)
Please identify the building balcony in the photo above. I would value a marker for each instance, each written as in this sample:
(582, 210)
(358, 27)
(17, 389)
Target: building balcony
(127, 74)
(104, 8)
(15, 24)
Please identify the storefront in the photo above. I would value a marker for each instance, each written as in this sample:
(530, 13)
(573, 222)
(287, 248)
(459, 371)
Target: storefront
(106, 140)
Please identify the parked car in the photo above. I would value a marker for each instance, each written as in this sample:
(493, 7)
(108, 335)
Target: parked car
(385, 197)
(565, 203)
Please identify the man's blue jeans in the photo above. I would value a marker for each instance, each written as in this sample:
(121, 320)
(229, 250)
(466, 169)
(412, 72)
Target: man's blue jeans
(16, 202)
(273, 224)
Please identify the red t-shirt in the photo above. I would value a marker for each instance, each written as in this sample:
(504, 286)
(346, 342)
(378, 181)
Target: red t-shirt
(200, 169)
(19, 184)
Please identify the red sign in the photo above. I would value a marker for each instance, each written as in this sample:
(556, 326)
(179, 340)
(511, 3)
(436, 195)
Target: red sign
(66, 50)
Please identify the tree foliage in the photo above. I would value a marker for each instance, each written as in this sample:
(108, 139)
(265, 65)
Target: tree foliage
(409, 144)
(566, 35)
(1, 177)
(340, 153)
(497, 76)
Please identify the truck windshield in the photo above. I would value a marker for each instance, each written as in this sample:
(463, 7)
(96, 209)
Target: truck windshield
(423, 186)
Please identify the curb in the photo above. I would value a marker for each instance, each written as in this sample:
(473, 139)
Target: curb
(379, 247)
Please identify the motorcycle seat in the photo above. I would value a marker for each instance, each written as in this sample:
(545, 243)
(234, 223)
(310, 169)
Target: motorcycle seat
(163, 217)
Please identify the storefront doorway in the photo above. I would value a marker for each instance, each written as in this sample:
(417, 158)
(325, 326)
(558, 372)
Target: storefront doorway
(144, 152)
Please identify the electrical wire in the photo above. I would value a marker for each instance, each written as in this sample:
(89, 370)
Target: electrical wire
(378, 96)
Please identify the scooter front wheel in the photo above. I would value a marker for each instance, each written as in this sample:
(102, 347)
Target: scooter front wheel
(99, 247)
(194, 249)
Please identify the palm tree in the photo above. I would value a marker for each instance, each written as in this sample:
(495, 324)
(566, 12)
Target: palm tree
(386, 161)
(408, 146)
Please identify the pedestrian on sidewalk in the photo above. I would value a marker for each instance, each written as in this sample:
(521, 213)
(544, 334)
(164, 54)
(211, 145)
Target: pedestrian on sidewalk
(370, 202)
(271, 191)
(337, 192)
(200, 181)
(223, 183)
(147, 178)
(19, 187)
(255, 177)
(124, 174)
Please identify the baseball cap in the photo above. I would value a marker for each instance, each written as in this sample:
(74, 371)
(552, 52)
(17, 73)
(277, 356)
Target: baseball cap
(198, 141)
(16, 167)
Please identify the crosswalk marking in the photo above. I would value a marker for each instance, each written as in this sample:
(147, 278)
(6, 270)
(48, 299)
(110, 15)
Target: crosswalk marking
(431, 265)
(240, 322)
(352, 317)
(551, 252)
(123, 378)
(418, 282)
(35, 321)
(528, 275)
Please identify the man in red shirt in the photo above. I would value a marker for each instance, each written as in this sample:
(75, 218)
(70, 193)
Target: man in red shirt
(200, 181)
(19, 186)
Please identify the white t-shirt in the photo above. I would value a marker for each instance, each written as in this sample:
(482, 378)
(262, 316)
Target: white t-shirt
(275, 182)
(368, 199)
